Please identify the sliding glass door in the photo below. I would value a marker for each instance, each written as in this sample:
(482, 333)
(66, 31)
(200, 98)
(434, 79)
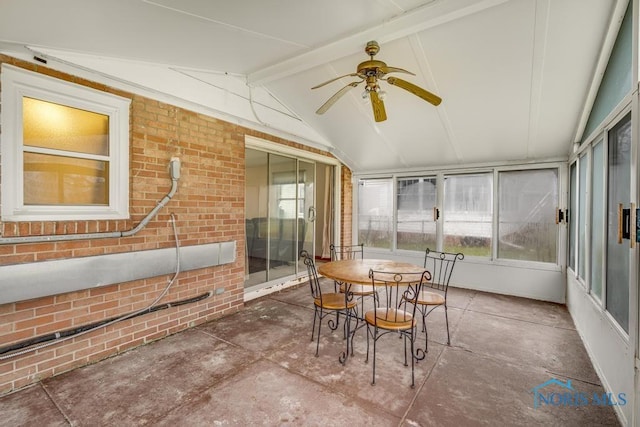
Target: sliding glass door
(279, 215)
(282, 224)
(619, 195)
(306, 208)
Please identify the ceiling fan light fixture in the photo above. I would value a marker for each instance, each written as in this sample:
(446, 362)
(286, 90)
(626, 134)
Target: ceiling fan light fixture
(371, 72)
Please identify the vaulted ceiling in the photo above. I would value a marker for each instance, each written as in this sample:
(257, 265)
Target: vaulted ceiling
(517, 77)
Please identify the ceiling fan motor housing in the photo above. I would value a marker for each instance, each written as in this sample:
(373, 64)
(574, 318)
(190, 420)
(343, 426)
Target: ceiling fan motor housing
(372, 48)
(370, 68)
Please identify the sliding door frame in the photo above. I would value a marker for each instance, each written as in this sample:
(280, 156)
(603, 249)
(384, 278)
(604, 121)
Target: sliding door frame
(306, 156)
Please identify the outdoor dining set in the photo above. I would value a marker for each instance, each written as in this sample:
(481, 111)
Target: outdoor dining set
(384, 297)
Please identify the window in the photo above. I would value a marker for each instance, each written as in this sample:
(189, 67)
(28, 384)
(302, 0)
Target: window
(597, 220)
(573, 210)
(582, 215)
(375, 212)
(289, 195)
(518, 223)
(468, 214)
(526, 227)
(416, 222)
(64, 150)
(600, 188)
(619, 192)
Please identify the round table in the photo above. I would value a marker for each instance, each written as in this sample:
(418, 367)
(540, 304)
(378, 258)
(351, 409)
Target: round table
(356, 271)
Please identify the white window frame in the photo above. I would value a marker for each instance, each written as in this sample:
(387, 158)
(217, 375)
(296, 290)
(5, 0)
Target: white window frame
(440, 173)
(18, 83)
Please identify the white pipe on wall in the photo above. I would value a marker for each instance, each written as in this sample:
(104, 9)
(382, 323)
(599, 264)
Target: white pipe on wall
(174, 168)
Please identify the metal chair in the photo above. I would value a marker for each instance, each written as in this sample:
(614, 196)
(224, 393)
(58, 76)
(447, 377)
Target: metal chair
(346, 252)
(326, 304)
(397, 314)
(434, 292)
(360, 291)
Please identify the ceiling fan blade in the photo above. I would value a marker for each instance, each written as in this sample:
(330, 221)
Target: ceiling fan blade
(334, 79)
(335, 97)
(387, 70)
(416, 90)
(379, 112)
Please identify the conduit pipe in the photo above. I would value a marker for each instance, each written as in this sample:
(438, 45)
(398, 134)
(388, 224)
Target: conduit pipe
(174, 169)
(73, 332)
(59, 337)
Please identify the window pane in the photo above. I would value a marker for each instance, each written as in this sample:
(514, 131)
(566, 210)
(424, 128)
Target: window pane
(582, 214)
(282, 245)
(619, 184)
(55, 126)
(287, 208)
(468, 209)
(416, 200)
(57, 180)
(527, 228)
(597, 220)
(573, 209)
(375, 212)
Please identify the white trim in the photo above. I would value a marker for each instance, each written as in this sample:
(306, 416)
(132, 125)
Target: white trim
(257, 292)
(18, 83)
(470, 168)
(613, 117)
(274, 147)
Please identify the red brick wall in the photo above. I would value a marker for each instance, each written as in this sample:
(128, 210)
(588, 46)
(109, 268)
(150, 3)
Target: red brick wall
(209, 207)
(346, 204)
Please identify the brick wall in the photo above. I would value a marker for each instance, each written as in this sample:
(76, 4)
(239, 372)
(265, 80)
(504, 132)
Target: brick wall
(208, 206)
(346, 204)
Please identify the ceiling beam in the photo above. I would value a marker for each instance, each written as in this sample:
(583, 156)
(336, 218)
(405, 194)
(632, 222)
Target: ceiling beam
(419, 19)
(540, 33)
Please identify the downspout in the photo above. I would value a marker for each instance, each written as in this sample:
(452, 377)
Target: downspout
(174, 170)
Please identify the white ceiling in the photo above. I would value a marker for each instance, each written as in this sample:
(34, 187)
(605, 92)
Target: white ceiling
(516, 76)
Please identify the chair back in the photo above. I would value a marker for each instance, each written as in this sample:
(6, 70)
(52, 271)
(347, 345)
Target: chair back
(314, 282)
(440, 264)
(399, 289)
(339, 253)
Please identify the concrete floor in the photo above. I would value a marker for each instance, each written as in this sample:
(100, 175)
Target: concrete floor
(258, 367)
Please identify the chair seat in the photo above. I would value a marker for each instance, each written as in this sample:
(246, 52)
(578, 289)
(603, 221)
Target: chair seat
(429, 298)
(357, 289)
(333, 302)
(392, 319)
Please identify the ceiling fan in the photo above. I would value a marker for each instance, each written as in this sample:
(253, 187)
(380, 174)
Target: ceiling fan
(371, 72)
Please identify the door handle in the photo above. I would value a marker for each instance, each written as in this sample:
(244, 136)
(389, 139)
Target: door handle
(312, 214)
(620, 222)
(436, 213)
(633, 226)
(627, 224)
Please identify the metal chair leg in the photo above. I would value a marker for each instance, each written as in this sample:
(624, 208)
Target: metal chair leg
(319, 329)
(446, 316)
(375, 339)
